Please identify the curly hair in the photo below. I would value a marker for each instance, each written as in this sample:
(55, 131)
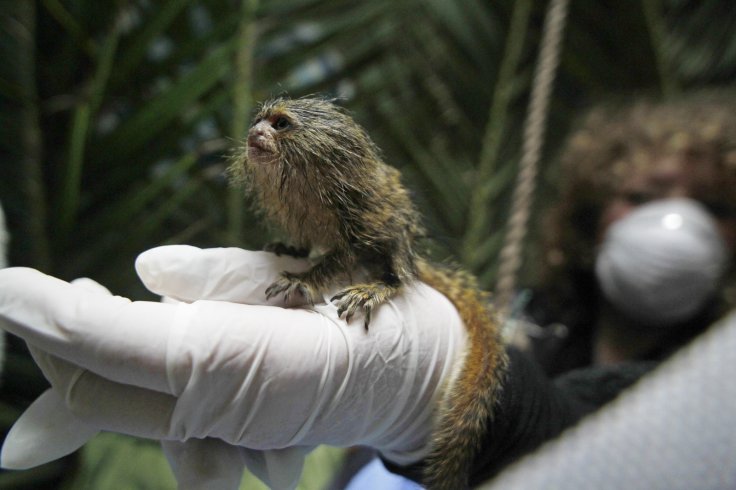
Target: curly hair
(612, 142)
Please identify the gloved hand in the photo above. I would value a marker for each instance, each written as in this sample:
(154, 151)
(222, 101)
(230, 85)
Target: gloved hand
(224, 371)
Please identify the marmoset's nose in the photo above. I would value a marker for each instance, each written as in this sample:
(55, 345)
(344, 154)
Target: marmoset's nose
(260, 129)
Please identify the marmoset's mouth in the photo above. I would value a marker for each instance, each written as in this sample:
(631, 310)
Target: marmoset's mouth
(258, 144)
(259, 152)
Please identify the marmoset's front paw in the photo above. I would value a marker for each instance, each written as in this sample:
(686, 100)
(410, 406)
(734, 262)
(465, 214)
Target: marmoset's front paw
(290, 283)
(362, 297)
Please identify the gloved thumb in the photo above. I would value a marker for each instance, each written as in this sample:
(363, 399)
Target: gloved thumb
(187, 273)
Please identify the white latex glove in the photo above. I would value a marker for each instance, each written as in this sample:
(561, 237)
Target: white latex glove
(224, 372)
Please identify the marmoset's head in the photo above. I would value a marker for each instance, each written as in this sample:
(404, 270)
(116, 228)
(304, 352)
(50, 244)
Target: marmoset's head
(307, 132)
(304, 159)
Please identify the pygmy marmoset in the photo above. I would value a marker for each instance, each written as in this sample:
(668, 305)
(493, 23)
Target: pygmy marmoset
(318, 177)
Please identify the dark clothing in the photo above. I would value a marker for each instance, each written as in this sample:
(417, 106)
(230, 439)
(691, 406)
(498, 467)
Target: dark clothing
(564, 341)
(555, 385)
(533, 409)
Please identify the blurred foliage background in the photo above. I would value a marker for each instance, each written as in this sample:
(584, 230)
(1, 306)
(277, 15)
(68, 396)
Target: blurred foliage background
(116, 117)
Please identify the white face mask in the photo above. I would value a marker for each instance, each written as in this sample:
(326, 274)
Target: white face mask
(661, 263)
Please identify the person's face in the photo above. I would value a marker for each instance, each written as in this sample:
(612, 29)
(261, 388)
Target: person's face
(673, 176)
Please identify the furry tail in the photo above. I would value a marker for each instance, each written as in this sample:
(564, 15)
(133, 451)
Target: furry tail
(468, 400)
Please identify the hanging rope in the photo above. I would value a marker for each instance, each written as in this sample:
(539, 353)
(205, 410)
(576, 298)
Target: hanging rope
(534, 126)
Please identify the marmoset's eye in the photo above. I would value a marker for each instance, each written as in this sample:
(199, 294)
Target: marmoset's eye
(281, 124)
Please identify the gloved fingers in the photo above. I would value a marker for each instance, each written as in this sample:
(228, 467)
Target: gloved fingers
(121, 340)
(105, 404)
(205, 464)
(239, 373)
(188, 273)
(46, 431)
(279, 469)
(91, 285)
(131, 342)
(212, 464)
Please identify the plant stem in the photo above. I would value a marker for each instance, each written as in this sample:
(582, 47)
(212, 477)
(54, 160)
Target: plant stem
(33, 230)
(482, 195)
(242, 105)
(658, 36)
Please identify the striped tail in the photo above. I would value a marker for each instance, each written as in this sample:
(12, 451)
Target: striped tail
(469, 398)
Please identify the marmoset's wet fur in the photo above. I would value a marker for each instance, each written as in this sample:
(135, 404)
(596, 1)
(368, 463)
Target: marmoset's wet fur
(317, 176)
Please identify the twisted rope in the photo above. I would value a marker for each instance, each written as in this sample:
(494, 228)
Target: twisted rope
(534, 126)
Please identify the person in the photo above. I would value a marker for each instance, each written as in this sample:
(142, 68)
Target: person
(618, 284)
(226, 381)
